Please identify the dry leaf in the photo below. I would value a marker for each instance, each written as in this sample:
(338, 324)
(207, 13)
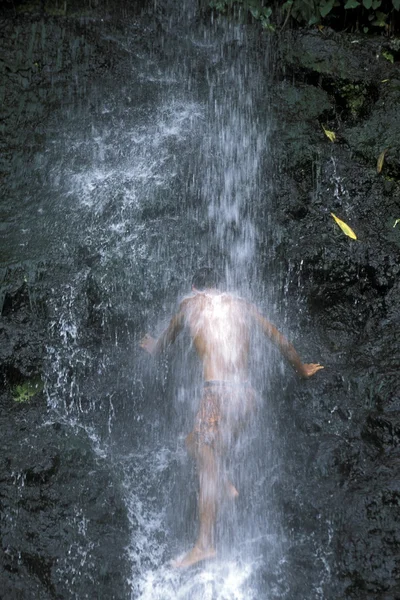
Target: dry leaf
(381, 158)
(344, 227)
(396, 221)
(330, 134)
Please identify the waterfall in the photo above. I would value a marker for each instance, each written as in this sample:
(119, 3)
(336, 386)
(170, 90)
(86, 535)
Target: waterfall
(159, 168)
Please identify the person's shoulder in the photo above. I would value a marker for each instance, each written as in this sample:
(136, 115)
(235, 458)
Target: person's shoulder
(236, 299)
(244, 305)
(187, 301)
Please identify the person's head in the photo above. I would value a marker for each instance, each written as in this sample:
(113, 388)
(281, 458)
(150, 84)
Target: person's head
(205, 278)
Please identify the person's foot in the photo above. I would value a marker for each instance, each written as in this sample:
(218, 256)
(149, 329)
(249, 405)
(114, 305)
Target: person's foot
(193, 556)
(230, 490)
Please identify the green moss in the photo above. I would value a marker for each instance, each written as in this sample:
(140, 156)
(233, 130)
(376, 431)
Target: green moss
(354, 95)
(26, 391)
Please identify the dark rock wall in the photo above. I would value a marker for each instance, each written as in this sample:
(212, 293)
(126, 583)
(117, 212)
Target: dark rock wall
(59, 503)
(344, 437)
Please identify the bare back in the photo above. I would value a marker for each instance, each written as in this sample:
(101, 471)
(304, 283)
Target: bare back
(219, 326)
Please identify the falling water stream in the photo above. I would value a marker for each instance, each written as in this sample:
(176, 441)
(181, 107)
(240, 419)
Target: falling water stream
(158, 181)
(153, 171)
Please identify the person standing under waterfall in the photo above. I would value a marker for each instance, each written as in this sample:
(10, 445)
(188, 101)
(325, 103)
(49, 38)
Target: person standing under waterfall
(219, 325)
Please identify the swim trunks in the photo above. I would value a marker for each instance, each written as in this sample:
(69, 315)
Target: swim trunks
(225, 409)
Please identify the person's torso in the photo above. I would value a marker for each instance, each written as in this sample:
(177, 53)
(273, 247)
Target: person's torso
(219, 327)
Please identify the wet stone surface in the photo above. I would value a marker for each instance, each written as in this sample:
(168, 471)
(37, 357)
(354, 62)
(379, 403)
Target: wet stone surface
(345, 441)
(59, 503)
(64, 520)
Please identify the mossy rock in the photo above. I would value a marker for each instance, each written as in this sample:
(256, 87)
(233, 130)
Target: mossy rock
(302, 102)
(381, 131)
(354, 96)
(298, 144)
(333, 57)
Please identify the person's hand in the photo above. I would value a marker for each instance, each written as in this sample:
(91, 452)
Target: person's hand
(310, 369)
(148, 343)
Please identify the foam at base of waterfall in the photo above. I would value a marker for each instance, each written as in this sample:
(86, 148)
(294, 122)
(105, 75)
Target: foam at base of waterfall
(221, 580)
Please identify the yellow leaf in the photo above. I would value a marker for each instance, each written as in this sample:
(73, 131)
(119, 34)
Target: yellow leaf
(330, 134)
(385, 80)
(381, 158)
(344, 227)
(396, 221)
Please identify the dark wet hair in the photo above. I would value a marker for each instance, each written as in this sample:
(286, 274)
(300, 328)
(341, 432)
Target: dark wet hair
(205, 278)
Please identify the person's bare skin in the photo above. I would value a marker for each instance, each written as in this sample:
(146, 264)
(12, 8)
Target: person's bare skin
(220, 327)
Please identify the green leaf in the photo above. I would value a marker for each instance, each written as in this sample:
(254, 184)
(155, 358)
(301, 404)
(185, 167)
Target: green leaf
(380, 161)
(380, 19)
(388, 56)
(376, 4)
(329, 134)
(367, 4)
(269, 26)
(351, 4)
(396, 4)
(266, 12)
(326, 7)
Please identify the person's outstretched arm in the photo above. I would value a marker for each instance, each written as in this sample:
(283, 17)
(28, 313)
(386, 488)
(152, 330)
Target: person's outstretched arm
(156, 346)
(285, 347)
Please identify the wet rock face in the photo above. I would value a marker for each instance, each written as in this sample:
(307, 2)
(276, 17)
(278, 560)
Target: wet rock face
(58, 499)
(362, 84)
(339, 492)
(22, 324)
(58, 503)
(343, 426)
(64, 527)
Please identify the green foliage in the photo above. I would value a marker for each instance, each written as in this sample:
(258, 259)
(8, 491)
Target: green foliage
(259, 10)
(325, 7)
(388, 55)
(363, 13)
(26, 391)
(351, 4)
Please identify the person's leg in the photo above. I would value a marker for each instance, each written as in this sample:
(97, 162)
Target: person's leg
(208, 495)
(191, 444)
(227, 487)
(209, 483)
